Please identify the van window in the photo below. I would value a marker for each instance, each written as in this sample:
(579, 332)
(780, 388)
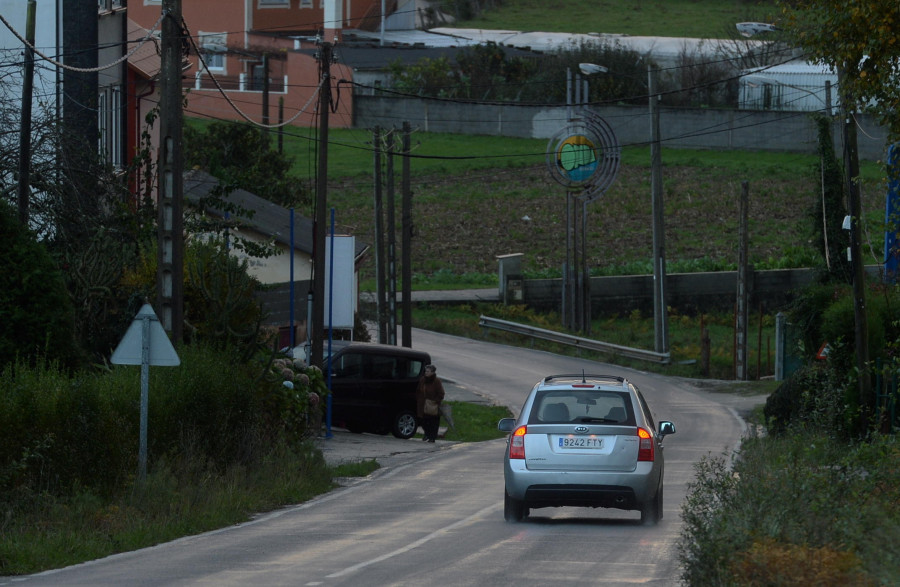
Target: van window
(407, 368)
(348, 366)
(381, 367)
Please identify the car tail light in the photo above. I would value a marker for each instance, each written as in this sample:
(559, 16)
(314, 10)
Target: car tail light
(517, 443)
(645, 448)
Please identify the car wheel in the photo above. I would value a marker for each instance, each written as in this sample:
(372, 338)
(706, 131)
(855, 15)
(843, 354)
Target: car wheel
(405, 425)
(651, 511)
(514, 510)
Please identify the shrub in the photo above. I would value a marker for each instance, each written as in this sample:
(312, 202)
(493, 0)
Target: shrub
(812, 396)
(220, 299)
(35, 310)
(62, 432)
(768, 562)
(791, 501)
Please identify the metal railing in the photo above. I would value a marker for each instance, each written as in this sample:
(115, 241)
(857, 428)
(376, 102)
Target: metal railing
(584, 343)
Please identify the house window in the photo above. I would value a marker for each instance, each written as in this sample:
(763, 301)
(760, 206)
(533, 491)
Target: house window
(109, 118)
(213, 47)
(257, 76)
(264, 3)
(306, 3)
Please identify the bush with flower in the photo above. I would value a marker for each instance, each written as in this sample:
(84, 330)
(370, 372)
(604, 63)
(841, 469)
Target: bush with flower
(297, 396)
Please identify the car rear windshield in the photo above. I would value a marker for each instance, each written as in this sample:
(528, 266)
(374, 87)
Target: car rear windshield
(582, 406)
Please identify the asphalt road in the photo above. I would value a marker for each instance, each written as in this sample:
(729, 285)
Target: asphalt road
(437, 518)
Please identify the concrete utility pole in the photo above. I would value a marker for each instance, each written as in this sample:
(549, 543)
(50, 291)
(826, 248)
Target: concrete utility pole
(379, 240)
(318, 316)
(660, 310)
(24, 190)
(170, 272)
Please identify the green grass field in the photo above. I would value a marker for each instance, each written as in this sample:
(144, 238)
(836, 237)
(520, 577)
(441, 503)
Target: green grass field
(703, 19)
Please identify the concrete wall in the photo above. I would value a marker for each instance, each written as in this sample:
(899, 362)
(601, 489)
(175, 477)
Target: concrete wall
(693, 128)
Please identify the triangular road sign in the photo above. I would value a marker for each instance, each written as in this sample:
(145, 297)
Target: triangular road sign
(130, 349)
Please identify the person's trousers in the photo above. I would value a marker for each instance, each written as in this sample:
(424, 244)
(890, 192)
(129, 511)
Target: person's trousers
(430, 426)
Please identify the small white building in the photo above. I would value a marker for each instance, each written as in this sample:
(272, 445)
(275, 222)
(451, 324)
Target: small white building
(797, 85)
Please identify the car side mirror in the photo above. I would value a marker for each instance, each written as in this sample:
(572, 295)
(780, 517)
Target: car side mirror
(506, 425)
(666, 427)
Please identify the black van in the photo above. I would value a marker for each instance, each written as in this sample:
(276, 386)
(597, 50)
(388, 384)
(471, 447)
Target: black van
(373, 387)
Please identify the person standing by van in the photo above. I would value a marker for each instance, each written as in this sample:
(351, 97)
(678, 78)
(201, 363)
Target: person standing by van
(429, 395)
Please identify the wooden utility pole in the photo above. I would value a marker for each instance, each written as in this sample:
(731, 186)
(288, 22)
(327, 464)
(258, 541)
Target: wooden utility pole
(170, 271)
(743, 287)
(24, 188)
(318, 315)
(406, 242)
(265, 89)
(391, 243)
(851, 170)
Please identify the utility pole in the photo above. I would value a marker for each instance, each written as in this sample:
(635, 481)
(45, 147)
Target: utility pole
(406, 241)
(170, 272)
(391, 243)
(851, 170)
(379, 240)
(660, 317)
(265, 89)
(24, 192)
(318, 315)
(743, 286)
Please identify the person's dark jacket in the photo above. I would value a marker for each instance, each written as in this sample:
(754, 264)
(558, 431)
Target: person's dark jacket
(429, 388)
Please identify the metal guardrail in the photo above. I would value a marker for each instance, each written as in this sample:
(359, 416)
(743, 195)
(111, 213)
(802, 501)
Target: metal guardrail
(585, 343)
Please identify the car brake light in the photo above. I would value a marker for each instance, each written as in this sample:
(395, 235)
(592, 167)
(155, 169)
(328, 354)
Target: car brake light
(645, 448)
(517, 443)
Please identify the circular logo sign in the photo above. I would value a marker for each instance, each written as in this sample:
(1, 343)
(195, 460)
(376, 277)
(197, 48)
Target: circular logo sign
(584, 156)
(577, 158)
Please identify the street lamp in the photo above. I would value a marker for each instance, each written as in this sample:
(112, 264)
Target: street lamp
(749, 29)
(591, 68)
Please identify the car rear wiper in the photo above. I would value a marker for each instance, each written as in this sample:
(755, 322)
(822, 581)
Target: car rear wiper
(588, 419)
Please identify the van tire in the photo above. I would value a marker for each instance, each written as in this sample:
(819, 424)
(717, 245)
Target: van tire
(404, 425)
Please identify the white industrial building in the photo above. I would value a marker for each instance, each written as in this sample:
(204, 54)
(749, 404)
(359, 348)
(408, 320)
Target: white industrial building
(796, 85)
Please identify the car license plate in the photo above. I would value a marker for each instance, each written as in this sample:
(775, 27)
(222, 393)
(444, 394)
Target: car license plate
(580, 442)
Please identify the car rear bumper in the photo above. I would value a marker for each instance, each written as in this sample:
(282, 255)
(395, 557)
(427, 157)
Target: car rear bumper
(623, 490)
(606, 496)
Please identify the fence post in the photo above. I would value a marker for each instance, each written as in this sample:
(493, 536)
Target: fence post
(780, 323)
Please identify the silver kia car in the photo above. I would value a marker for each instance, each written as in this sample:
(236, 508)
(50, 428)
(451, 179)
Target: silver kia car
(584, 441)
